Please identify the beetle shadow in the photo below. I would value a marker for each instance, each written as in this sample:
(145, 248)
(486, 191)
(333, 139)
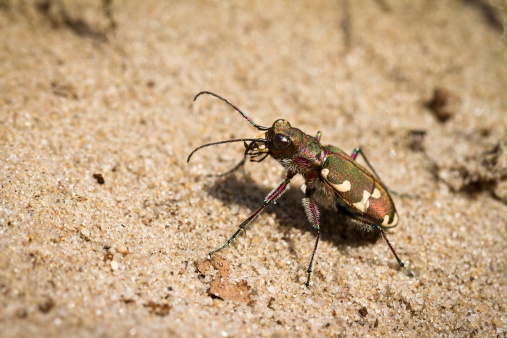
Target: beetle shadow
(290, 213)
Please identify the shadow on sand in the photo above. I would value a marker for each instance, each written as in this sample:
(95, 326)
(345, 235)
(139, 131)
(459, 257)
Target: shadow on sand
(289, 211)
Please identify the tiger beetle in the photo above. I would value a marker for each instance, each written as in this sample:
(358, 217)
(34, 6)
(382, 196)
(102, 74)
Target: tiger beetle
(333, 180)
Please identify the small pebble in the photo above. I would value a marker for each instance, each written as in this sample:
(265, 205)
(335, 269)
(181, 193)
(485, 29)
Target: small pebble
(85, 234)
(218, 303)
(498, 322)
(121, 249)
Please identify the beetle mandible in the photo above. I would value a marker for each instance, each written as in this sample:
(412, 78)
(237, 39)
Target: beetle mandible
(333, 180)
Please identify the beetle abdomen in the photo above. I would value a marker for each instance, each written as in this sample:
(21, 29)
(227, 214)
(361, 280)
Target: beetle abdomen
(359, 189)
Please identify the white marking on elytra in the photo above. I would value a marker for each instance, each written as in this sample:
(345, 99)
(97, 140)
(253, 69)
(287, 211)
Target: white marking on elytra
(342, 187)
(364, 203)
(394, 221)
(376, 193)
(386, 220)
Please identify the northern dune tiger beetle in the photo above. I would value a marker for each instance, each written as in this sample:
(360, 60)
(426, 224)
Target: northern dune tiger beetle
(333, 180)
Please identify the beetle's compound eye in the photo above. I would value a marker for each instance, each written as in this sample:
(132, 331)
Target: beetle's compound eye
(281, 142)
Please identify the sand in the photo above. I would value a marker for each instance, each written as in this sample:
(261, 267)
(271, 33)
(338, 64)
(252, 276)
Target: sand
(105, 228)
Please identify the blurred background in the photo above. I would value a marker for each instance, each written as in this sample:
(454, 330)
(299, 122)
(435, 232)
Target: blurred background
(105, 227)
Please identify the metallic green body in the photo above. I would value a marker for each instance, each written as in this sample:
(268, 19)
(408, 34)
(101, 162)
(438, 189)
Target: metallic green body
(333, 179)
(360, 198)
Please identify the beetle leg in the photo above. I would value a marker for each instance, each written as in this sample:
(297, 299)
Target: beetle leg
(319, 135)
(271, 197)
(363, 222)
(248, 149)
(240, 163)
(313, 217)
(359, 151)
(259, 158)
(236, 167)
(400, 262)
(382, 232)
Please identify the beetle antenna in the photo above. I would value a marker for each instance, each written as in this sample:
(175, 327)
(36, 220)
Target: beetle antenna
(228, 141)
(233, 106)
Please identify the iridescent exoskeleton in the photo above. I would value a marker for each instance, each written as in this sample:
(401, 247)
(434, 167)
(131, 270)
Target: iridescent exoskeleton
(333, 180)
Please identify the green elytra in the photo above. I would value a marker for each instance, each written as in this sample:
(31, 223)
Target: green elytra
(333, 180)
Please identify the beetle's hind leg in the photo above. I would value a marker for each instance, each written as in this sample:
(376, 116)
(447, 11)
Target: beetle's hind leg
(400, 262)
(367, 225)
(313, 217)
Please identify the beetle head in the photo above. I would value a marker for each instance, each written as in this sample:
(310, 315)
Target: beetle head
(283, 140)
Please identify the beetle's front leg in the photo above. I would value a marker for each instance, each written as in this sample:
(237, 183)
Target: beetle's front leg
(236, 167)
(313, 217)
(272, 196)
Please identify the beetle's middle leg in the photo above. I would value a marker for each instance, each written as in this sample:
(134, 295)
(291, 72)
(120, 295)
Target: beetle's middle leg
(313, 217)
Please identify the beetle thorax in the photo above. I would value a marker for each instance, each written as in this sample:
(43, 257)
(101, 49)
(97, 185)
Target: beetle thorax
(310, 155)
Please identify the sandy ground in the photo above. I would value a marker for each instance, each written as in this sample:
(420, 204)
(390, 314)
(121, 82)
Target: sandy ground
(105, 228)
